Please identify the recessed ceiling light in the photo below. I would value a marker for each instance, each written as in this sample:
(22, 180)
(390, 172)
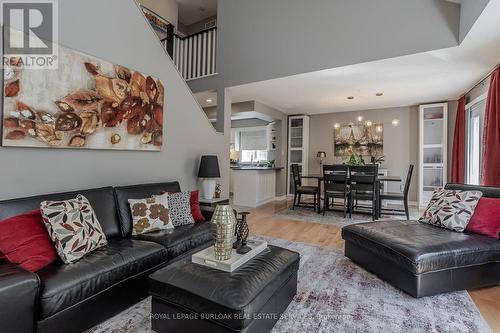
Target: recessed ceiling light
(395, 122)
(360, 118)
(350, 97)
(209, 100)
(379, 94)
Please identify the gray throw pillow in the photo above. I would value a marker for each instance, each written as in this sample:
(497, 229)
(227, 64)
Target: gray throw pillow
(451, 209)
(180, 208)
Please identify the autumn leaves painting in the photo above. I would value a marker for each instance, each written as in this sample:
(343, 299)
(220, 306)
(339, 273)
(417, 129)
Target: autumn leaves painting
(85, 103)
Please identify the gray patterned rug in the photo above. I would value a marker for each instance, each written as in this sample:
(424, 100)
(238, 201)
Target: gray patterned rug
(336, 295)
(336, 217)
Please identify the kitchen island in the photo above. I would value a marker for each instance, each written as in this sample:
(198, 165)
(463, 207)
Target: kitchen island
(253, 186)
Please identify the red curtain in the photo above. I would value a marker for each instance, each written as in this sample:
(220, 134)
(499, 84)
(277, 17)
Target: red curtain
(491, 137)
(458, 152)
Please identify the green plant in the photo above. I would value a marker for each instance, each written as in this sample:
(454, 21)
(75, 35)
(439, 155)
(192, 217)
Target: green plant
(378, 160)
(355, 159)
(270, 164)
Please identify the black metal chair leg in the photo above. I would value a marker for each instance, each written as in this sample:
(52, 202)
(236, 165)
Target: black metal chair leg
(351, 201)
(294, 199)
(345, 207)
(325, 205)
(407, 211)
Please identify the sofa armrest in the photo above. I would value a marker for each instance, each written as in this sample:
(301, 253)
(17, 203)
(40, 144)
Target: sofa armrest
(18, 298)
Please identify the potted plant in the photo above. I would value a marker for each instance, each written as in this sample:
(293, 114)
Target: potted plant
(218, 190)
(377, 160)
(355, 159)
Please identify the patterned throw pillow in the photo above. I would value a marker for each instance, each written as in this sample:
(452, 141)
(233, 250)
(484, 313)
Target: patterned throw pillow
(73, 227)
(180, 208)
(150, 214)
(451, 209)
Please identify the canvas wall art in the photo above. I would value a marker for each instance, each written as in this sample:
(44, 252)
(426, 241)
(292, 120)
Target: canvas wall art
(360, 139)
(85, 103)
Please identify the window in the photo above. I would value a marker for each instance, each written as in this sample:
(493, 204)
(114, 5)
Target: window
(253, 144)
(474, 139)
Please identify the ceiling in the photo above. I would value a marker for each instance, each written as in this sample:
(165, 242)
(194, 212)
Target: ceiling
(409, 80)
(192, 11)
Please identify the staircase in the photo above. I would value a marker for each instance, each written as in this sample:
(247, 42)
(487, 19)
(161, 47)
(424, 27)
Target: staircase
(193, 55)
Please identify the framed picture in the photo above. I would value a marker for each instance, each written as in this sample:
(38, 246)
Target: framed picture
(360, 139)
(155, 20)
(85, 103)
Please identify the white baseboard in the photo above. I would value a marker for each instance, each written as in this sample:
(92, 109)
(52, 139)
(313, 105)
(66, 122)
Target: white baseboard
(281, 198)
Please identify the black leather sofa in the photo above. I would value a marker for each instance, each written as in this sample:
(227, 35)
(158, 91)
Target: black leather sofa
(73, 298)
(424, 260)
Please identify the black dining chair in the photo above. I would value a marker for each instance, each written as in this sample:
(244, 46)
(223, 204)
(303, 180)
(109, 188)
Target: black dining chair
(363, 186)
(301, 189)
(399, 196)
(335, 185)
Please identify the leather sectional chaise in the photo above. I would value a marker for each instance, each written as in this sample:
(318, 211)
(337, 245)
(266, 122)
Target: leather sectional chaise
(424, 260)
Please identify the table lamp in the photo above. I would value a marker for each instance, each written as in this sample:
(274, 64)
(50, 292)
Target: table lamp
(209, 170)
(321, 155)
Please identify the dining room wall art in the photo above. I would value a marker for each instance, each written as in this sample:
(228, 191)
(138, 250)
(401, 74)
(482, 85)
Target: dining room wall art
(85, 103)
(359, 138)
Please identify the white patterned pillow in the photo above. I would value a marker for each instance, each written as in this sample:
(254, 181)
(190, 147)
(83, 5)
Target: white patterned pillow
(150, 214)
(73, 227)
(451, 209)
(180, 208)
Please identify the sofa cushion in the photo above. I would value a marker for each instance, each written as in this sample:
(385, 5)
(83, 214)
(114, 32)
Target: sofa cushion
(124, 193)
(150, 214)
(101, 199)
(65, 285)
(25, 241)
(73, 227)
(180, 208)
(421, 248)
(451, 209)
(486, 218)
(181, 239)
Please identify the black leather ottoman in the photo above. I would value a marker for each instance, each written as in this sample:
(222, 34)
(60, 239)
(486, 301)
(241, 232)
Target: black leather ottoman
(193, 298)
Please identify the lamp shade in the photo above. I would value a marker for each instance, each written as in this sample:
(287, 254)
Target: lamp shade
(321, 154)
(209, 167)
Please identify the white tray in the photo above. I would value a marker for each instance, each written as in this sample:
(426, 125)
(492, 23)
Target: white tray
(207, 257)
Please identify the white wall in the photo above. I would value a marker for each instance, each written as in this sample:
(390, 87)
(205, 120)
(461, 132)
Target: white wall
(115, 30)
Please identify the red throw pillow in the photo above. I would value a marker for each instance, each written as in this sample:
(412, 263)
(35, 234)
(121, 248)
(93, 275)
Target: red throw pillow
(486, 218)
(195, 207)
(25, 241)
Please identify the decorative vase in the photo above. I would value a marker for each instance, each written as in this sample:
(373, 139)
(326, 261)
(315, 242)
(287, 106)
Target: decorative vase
(223, 225)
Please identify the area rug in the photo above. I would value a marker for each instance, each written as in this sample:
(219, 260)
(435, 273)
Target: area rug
(335, 217)
(336, 295)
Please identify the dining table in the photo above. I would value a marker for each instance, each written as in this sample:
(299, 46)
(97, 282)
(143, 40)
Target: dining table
(320, 178)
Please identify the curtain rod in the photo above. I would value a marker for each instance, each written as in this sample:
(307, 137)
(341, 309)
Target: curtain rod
(482, 80)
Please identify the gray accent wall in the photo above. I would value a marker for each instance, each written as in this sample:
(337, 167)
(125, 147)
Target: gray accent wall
(115, 30)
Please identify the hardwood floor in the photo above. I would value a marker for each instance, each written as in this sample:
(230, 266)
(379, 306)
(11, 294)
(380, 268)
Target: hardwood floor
(262, 222)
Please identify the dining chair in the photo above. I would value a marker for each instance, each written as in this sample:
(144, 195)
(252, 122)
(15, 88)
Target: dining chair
(363, 186)
(399, 196)
(335, 185)
(301, 189)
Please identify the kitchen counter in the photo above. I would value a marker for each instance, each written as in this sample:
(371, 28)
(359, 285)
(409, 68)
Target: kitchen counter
(253, 186)
(255, 168)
